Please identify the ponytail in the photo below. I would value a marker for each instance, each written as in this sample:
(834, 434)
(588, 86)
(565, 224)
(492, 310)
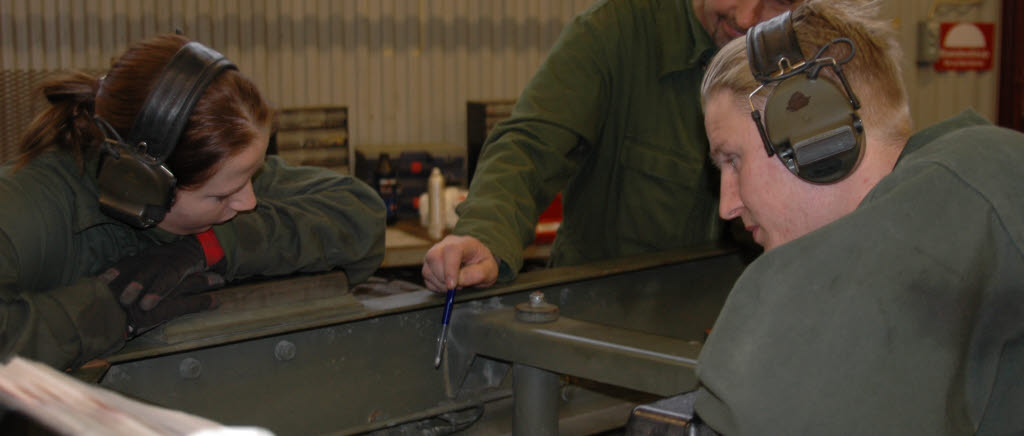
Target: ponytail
(230, 115)
(68, 123)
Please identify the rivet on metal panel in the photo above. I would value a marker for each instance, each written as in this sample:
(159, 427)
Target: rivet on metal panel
(284, 350)
(117, 374)
(568, 392)
(536, 298)
(536, 310)
(190, 368)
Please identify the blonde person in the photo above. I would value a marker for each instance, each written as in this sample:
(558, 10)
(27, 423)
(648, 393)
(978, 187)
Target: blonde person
(890, 294)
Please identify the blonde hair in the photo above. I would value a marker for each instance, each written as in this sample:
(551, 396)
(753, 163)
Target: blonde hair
(874, 72)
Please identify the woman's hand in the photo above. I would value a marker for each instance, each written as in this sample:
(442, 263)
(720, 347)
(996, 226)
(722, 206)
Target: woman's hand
(162, 283)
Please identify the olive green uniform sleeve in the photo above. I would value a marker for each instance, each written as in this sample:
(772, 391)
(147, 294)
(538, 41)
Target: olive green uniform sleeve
(611, 120)
(54, 240)
(530, 157)
(48, 312)
(62, 327)
(307, 220)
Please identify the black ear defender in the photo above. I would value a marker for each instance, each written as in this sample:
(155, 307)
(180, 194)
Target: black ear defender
(135, 186)
(809, 123)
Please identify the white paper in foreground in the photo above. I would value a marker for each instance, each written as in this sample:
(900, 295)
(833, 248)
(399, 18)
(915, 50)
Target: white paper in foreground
(70, 406)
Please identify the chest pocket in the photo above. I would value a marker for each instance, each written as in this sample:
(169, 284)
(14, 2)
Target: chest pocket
(663, 203)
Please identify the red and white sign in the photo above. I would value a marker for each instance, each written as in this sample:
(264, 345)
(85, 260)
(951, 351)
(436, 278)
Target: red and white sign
(965, 46)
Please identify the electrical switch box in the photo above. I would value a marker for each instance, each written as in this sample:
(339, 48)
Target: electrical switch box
(927, 42)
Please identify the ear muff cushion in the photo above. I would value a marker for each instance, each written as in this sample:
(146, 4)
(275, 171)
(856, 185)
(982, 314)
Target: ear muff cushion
(134, 191)
(769, 43)
(813, 118)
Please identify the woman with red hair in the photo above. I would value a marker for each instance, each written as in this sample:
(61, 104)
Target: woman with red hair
(102, 238)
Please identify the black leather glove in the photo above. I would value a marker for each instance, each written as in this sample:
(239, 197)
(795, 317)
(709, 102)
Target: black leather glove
(152, 285)
(184, 299)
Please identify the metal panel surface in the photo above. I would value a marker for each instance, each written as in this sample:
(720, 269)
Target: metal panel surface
(369, 364)
(622, 357)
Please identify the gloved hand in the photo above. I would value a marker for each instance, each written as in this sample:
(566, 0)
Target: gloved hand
(141, 283)
(186, 298)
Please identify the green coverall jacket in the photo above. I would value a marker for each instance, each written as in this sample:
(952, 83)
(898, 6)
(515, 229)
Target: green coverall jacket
(612, 119)
(54, 239)
(905, 317)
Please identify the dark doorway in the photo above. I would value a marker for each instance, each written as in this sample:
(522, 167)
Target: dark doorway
(1011, 69)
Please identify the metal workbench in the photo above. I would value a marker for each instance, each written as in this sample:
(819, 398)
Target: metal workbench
(308, 355)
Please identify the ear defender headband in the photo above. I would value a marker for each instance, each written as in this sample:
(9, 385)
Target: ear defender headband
(135, 185)
(811, 124)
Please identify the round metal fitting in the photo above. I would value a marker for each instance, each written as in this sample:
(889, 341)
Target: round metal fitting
(190, 368)
(284, 350)
(536, 310)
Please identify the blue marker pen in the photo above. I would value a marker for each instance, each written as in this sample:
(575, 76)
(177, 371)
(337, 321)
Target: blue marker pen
(442, 338)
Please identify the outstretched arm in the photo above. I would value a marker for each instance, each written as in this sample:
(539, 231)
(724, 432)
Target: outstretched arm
(307, 220)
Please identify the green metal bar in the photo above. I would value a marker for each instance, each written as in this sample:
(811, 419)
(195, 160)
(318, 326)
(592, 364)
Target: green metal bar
(627, 358)
(536, 401)
(279, 306)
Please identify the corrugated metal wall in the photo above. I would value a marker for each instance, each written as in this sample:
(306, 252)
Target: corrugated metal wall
(935, 96)
(405, 68)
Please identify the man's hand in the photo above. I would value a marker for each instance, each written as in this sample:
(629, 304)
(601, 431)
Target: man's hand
(459, 261)
(161, 282)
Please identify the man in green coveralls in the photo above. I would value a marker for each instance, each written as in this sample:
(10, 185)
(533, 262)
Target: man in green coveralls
(611, 119)
(889, 302)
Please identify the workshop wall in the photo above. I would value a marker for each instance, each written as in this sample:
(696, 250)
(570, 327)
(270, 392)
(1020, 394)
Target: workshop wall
(935, 96)
(404, 68)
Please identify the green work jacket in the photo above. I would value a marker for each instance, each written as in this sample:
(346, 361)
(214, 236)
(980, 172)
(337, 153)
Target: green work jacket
(905, 317)
(54, 239)
(612, 119)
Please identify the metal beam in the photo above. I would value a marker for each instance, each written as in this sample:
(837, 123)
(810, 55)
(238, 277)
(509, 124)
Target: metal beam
(636, 360)
(536, 401)
(306, 355)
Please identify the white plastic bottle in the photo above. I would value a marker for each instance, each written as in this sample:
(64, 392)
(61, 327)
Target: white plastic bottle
(436, 206)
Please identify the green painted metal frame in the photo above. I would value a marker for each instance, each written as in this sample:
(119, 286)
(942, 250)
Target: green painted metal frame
(306, 356)
(627, 358)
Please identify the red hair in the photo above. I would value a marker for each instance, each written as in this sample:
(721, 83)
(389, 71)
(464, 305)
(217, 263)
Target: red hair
(230, 114)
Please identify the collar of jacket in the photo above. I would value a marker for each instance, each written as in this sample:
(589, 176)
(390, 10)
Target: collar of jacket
(87, 212)
(968, 118)
(684, 44)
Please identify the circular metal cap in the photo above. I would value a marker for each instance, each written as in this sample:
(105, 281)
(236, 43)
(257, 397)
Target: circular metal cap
(537, 310)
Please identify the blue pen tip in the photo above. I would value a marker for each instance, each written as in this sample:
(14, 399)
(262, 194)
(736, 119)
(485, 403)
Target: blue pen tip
(442, 338)
(449, 299)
